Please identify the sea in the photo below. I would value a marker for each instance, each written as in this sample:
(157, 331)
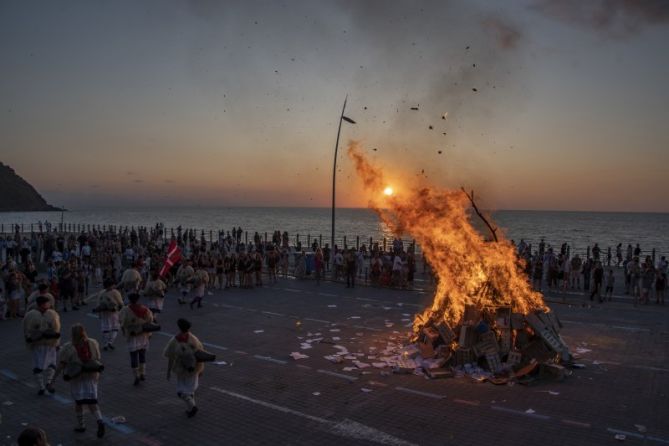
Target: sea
(578, 229)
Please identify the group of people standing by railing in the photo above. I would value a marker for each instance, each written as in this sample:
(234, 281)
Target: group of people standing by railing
(644, 278)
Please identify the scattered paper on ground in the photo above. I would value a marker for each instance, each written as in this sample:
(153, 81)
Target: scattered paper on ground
(298, 355)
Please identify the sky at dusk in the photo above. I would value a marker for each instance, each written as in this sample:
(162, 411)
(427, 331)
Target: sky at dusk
(535, 104)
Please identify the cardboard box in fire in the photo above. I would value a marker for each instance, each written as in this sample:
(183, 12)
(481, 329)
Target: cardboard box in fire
(446, 332)
(546, 326)
(467, 336)
(487, 344)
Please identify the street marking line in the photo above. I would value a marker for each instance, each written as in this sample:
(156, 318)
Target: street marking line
(61, 399)
(270, 359)
(241, 352)
(292, 290)
(9, 374)
(209, 344)
(630, 434)
(418, 392)
(648, 367)
(575, 423)
(272, 313)
(467, 402)
(338, 375)
(637, 435)
(520, 412)
(317, 320)
(345, 428)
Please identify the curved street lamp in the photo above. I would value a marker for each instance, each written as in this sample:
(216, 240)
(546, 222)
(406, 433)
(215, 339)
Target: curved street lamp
(334, 168)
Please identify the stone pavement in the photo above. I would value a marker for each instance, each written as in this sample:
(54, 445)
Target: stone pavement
(257, 394)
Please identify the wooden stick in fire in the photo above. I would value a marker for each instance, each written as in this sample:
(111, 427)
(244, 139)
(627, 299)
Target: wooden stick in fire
(485, 220)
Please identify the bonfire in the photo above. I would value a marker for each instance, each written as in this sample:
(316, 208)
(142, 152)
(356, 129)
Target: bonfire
(485, 316)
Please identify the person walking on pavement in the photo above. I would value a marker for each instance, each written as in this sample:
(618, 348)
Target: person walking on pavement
(180, 353)
(185, 275)
(133, 319)
(41, 329)
(597, 277)
(109, 303)
(79, 360)
(131, 280)
(155, 291)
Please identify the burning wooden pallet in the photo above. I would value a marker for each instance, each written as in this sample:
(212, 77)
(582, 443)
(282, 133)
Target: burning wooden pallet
(503, 343)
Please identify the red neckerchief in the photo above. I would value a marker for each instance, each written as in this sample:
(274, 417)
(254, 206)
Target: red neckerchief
(140, 310)
(182, 337)
(83, 351)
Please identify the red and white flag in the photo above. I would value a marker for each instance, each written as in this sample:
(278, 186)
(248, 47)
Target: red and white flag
(173, 256)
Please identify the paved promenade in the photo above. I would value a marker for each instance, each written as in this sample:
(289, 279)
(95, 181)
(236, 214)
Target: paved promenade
(258, 395)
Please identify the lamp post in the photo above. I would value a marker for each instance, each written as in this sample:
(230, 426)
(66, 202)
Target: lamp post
(334, 167)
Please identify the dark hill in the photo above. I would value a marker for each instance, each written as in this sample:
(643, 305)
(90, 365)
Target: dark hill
(17, 195)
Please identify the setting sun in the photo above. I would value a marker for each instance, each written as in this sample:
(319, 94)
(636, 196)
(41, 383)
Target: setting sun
(388, 191)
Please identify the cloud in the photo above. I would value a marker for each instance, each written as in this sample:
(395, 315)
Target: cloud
(614, 18)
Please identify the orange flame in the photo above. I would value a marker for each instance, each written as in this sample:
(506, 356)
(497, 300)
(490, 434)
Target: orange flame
(470, 270)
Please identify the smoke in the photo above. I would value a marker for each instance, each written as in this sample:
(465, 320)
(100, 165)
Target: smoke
(450, 57)
(507, 34)
(615, 18)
